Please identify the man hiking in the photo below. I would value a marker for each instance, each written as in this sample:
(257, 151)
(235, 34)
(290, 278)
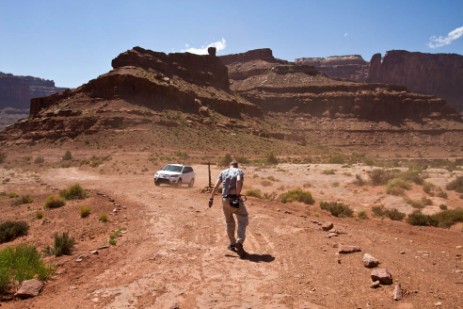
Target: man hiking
(232, 183)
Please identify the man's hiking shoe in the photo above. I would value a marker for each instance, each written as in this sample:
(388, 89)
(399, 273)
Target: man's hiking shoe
(239, 249)
(231, 248)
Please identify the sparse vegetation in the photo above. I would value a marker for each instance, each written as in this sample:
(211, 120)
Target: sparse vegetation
(21, 263)
(74, 192)
(63, 245)
(95, 161)
(39, 215)
(420, 204)
(67, 156)
(397, 186)
(225, 161)
(443, 219)
(24, 199)
(10, 230)
(2, 157)
(362, 214)
(456, 185)
(113, 236)
(39, 160)
(85, 211)
(103, 218)
(359, 181)
(270, 159)
(393, 214)
(54, 201)
(253, 192)
(381, 176)
(298, 195)
(337, 209)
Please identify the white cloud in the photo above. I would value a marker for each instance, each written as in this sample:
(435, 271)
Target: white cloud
(439, 41)
(219, 45)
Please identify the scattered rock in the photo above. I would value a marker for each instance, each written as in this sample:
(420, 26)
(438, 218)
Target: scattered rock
(348, 249)
(332, 235)
(382, 275)
(369, 261)
(327, 226)
(375, 284)
(94, 252)
(80, 258)
(29, 288)
(398, 293)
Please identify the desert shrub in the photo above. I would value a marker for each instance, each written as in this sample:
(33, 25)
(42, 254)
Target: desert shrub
(337, 159)
(297, 195)
(39, 160)
(63, 244)
(74, 192)
(396, 186)
(428, 188)
(362, 214)
(412, 175)
(394, 214)
(271, 159)
(243, 160)
(25, 199)
(10, 230)
(95, 161)
(443, 207)
(85, 211)
(225, 161)
(254, 192)
(113, 236)
(329, 172)
(67, 156)
(2, 157)
(39, 215)
(378, 211)
(21, 263)
(381, 176)
(270, 196)
(418, 218)
(337, 209)
(456, 185)
(447, 218)
(420, 204)
(103, 218)
(54, 201)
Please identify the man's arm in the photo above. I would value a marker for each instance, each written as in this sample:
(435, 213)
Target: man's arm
(214, 190)
(239, 184)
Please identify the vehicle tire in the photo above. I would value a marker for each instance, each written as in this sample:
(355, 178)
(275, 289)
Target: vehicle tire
(156, 183)
(179, 183)
(192, 182)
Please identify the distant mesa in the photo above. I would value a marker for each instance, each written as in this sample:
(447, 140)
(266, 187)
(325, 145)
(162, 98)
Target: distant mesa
(17, 91)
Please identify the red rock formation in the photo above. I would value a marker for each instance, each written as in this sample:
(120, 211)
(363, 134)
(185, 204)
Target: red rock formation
(350, 67)
(17, 91)
(436, 74)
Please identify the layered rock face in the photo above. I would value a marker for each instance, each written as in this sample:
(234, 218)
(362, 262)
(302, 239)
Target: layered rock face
(17, 91)
(437, 74)
(350, 67)
(284, 87)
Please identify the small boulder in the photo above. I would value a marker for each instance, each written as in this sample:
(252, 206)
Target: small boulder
(327, 226)
(348, 249)
(29, 288)
(369, 261)
(398, 293)
(382, 275)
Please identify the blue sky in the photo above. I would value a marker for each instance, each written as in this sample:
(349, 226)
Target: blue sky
(72, 42)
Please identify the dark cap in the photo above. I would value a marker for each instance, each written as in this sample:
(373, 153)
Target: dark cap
(234, 163)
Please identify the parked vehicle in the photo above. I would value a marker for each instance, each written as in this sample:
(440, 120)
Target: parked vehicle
(175, 174)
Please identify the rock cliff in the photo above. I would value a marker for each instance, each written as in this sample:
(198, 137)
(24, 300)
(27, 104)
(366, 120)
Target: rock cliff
(17, 91)
(350, 67)
(437, 74)
(281, 87)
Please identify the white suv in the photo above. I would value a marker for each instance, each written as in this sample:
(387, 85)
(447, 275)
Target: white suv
(175, 174)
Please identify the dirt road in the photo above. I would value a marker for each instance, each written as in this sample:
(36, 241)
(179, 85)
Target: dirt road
(172, 254)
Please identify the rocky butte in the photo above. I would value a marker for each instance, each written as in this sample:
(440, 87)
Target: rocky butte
(251, 93)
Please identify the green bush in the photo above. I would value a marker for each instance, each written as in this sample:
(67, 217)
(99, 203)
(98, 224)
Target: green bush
(253, 192)
(337, 209)
(447, 218)
(418, 218)
(67, 156)
(25, 199)
(21, 263)
(456, 185)
(63, 244)
(271, 159)
(381, 176)
(10, 230)
(396, 186)
(297, 195)
(394, 214)
(85, 211)
(74, 192)
(103, 218)
(54, 201)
